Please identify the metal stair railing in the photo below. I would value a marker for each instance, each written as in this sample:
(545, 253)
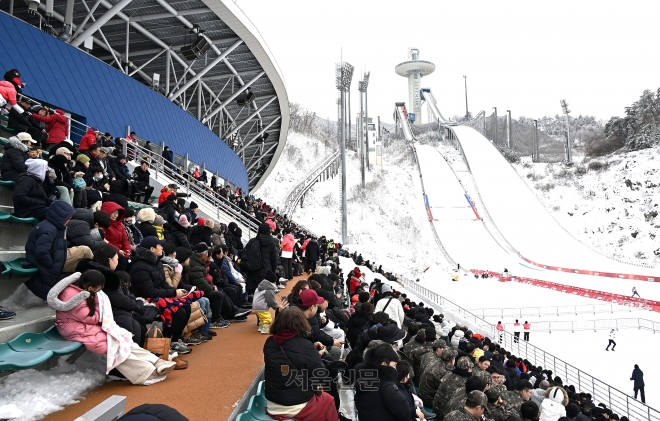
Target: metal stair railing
(298, 191)
(553, 310)
(620, 402)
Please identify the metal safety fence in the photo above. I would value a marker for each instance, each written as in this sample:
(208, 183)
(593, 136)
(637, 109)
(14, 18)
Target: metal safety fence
(324, 170)
(552, 310)
(595, 325)
(619, 401)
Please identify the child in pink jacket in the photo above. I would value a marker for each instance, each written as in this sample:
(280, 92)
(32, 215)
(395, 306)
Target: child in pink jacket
(77, 301)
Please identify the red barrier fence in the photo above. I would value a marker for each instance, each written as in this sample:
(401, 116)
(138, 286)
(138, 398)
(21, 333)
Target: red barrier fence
(583, 292)
(593, 272)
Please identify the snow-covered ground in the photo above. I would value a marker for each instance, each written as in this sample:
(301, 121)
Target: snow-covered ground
(611, 203)
(387, 221)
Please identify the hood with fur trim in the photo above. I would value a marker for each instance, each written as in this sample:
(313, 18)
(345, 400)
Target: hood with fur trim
(557, 394)
(14, 142)
(146, 254)
(56, 304)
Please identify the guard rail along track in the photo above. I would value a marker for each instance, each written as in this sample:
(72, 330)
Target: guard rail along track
(326, 169)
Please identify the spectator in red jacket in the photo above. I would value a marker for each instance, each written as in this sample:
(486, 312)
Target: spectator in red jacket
(8, 95)
(116, 234)
(58, 126)
(88, 140)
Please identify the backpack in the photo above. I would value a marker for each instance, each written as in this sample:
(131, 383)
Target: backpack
(251, 258)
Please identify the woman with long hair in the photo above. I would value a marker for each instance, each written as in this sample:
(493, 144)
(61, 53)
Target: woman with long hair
(289, 356)
(83, 313)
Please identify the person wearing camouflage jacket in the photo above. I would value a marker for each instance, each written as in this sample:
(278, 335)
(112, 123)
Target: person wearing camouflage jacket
(438, 347)
(417, 353)
(451, 382)
(475, 406)
(433, 374)
(496, 411)
(512, 400)
(478, 381)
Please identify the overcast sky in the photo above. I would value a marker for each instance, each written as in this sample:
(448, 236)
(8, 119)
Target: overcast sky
(519, 55)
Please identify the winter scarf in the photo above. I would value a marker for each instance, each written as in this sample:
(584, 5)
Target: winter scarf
(461, 372)
(169, 261)
(168, 306)
(119, 339)
(283, 335)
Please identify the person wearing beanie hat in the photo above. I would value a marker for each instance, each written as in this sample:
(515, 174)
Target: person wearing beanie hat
(264, 299)
(451, 383)
(192, 212)
(390, 305)
(180, 231)
(83, 159)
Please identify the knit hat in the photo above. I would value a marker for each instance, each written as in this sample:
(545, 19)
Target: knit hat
(146, 215)
(264, 228)
(159, 221)
(572, 410)
(63, 151)
(168, 248)
(430, 335)
(83, 159)
(193, 205)
(201, 248)
(183, 254)
(200, 221)
(448, 354)
(183, 221)
(464, 363)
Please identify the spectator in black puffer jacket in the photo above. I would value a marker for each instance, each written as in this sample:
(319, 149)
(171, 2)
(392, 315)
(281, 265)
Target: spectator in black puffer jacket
(145, 218)
(202, 232)
(380, 399)
(124, 306)
(236, 234)
(168, 209)
(180, 231)
(29, 196)
(119, 168)
(12, 164)
(268, 258)
(118, 193)
(79, 229)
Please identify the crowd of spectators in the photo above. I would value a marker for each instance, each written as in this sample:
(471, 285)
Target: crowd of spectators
(402, 360)
(98, 255)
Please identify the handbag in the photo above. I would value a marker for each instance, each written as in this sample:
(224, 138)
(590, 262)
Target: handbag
(155, 342)
(150, 314)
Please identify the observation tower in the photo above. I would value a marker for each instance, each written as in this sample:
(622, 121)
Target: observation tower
(414, 69)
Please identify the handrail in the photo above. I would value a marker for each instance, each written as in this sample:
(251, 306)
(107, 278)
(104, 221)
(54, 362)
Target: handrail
(595, 325)
(297, 192)
(614, 398)
(553, 310)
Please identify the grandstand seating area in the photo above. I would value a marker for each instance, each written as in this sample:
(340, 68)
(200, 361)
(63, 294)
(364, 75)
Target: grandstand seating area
(187, 199)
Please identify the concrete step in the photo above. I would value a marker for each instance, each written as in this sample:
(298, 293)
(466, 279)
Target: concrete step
(13, 236)
(32, 314)
(5, 197)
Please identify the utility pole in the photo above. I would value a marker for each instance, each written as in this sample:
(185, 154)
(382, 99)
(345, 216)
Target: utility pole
(343, 76)
(569, 155)
(467, 113)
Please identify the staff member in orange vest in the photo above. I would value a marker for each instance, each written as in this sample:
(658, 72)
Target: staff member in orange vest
(527, 327)
(516, 332)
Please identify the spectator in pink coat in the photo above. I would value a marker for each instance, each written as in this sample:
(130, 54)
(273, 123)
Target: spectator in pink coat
(78, 301)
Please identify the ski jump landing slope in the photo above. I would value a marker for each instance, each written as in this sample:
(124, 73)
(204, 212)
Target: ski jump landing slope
(531, 230)
(454, 218)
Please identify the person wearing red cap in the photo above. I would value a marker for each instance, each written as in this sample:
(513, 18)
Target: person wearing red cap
(309, 303)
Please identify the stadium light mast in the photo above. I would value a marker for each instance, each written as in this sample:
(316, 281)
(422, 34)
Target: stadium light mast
(364, 126)
(343, 78)
(569, 155)
(467, 113)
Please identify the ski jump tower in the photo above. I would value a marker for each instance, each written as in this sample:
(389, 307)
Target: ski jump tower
(414, 69)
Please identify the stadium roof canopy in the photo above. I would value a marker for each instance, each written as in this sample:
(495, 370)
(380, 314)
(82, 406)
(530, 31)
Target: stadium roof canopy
(204, 55)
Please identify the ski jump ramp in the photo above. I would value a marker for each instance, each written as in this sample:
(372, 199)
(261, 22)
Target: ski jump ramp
(543, 249)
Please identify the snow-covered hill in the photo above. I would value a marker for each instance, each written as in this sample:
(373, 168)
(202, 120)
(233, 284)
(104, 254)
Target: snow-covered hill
(387, 220)
(610, 203)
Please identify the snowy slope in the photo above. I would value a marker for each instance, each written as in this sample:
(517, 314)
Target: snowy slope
(387, 221)
(610, 203)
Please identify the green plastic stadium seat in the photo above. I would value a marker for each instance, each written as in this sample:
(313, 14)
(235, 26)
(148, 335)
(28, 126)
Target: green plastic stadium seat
(11, 360)
(28, 341)
(14, 267)
(7, 217)
(261, 387)
(246, 416)
(257, 407)
(7, 183)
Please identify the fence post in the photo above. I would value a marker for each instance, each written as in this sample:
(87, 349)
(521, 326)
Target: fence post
(594, 306)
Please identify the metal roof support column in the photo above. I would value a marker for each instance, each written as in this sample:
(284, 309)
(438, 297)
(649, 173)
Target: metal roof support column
(128, 32)
(168, 64)
(100, 22)
(205, 70)
(246, 144)
(232, 97)
(146, 63)
(266, 153)
(90, 13)
(251, 116)
(199, 100)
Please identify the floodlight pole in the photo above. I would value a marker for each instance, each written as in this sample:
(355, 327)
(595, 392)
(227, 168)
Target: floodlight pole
(569, 155)
(535, 147)
(366, 126)
(509, 141)
(361, 134)
(343, 74)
